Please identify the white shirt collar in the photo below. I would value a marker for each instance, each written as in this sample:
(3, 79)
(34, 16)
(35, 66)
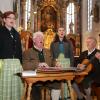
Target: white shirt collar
(40, 49)
(89, 52)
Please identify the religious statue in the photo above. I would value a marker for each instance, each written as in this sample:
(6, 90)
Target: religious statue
(48, 37)
(71, 27)
(96, 13)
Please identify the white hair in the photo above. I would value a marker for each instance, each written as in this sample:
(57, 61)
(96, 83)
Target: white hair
(93, 38)
(36, 34)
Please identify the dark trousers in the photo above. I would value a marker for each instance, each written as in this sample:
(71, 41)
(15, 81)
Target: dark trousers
(36, 93)
(86, 83)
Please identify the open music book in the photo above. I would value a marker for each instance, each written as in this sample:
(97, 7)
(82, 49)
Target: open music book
(64, 62)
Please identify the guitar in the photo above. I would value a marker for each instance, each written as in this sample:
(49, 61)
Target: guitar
(88, 67)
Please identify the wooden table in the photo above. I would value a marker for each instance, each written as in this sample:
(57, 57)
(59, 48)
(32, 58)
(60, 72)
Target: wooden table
(45, 77)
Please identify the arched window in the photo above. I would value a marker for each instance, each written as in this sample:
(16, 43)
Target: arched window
(70, 18)
(89, 15)
(27, 14)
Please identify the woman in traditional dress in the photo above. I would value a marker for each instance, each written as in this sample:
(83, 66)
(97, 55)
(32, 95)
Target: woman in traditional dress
(10, 59)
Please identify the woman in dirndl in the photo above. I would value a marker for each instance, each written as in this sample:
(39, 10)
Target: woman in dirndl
(11, 85)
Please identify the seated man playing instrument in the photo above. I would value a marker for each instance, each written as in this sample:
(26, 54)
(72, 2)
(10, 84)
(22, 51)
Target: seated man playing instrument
(34, 58)
(89, 61)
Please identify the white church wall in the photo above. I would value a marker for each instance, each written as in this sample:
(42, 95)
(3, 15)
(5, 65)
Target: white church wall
(85, 33)
(6, 5)
(96, 25)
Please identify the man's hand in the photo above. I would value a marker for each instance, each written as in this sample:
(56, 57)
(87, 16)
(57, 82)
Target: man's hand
(57, 64)
(97, 55)
(43, 65)
(81, 66)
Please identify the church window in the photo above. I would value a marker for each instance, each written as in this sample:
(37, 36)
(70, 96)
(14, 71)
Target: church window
(70, 18)
(89, 15)
(27, 13)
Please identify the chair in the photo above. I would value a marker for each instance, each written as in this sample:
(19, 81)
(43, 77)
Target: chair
(26, 40)
(46, 93)
(70, 92)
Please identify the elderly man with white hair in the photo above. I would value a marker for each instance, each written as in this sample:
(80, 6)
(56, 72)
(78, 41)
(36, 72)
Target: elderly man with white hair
(35, 57)
(92, 66)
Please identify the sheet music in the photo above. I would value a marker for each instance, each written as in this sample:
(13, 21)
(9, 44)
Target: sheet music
(29, 73)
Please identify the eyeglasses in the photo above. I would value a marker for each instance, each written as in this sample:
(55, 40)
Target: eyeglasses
(11, 18)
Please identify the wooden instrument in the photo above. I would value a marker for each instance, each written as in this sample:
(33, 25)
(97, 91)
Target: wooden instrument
(88, 68)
